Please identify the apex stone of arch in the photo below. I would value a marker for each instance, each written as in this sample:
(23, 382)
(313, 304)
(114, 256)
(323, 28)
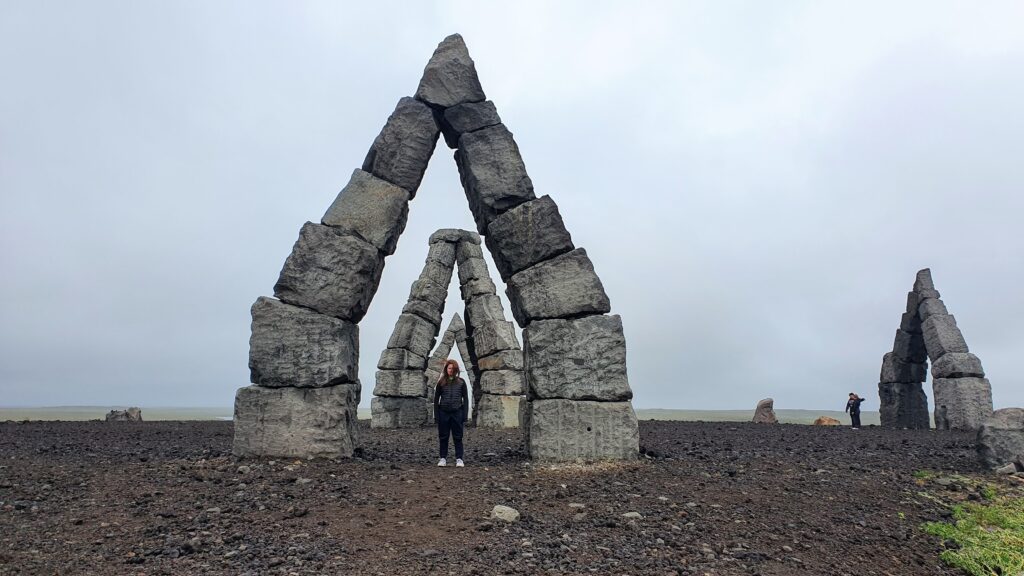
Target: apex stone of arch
(962, 395)
(335, 268)
(404, 384)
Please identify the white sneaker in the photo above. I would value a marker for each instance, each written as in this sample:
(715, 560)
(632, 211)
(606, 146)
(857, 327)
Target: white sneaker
(459, 463)
(442, 462)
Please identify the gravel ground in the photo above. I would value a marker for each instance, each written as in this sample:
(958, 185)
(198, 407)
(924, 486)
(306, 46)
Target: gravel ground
(707, 498)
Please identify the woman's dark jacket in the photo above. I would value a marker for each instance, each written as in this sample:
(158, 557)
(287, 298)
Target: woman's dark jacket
(452, 397)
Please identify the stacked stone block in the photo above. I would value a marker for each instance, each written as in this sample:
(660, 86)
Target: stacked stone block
(961, 393)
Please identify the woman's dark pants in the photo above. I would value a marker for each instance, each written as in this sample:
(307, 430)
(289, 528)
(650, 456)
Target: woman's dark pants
(449, 423)
(855, 416)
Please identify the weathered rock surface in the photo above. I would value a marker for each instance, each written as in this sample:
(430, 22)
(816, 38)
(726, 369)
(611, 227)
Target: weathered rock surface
(502, 360)
(484, 308)
(428, 291)
(454, 235)
(765, 412)
(472, 269)
(133, 414)
(895, 369)
(504, 513)
(523, 236)
(442, 252)
(296, 422)
(903, 405)
(428, 311)
(581, 359)
(563, 287)
(400, 359)
(330, 272)
(961, 403)
(491, 337)
(476, 287)
(498, 411)
(923, 285)
(932, 307)
(401, 151)
(389, 412)
(414, 334)
(568, 430)
(466, 250)
(910, 322)
(492, 172)
(372, 209)
(405, 383)
(909, 347)
(941, 336)
(292, 346)
(507, 382)
(450, 76)
(957, 365)
(469, 117)
(1001, 439)
(437, 273)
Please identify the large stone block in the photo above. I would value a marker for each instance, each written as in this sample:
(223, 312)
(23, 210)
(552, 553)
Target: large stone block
(472, 269)
(507, 382)
(923, 285)
(1001, 439)
(467, 250)
(429, 291)
(502, 360)
(296, 422)
(581, 359)
(903, 405)
(330, 272)
(496, 411)
(492, 172)
(910, 322)
(401, 151)
(896, 369)
(563, 287)
(530, 233)
(437, 273)
(568, 430)
(468, 117)
(961, 403)
(404, 383)
(454, 235)
(442, 252)
(414, 334)
(400, 359)
(909, 347)
(491, 337)
(429, 311)
(484, 308)
(957, 365)
(941, 336)
(913, 302)
(292, 346)
(477, 287)
(372, 209)
(764, 413)
(388, 412)
(450, 76)
(932, 307)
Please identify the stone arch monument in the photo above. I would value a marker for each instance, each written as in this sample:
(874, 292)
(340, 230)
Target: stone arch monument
(493, 365)
(304, 348)
(962, 394)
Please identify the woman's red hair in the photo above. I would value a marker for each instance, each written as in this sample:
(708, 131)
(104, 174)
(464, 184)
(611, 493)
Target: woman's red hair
(444, 371)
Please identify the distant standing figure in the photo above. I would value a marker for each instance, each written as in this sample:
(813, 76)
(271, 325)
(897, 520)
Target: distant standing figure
(853, 407)
(451, 400)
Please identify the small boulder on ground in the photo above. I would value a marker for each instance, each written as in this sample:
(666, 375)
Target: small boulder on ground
(133, 414)
(1001, 439)
(827, 421)
(505, 513)
(765, 412)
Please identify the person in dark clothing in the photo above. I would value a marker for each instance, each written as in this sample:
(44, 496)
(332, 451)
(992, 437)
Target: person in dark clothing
(853, 407)
(451, 400)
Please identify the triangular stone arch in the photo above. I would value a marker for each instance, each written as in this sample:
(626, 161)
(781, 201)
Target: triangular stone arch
(960, 391)
(487, 342)
(304, 346)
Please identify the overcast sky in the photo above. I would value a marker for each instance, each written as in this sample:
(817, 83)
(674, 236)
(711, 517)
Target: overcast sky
(756, 183)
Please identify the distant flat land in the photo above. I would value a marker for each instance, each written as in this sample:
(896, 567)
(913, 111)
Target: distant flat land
(193, 413)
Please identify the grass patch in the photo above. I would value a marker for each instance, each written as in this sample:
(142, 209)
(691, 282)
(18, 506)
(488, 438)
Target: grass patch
(984, 539)
(923, 474)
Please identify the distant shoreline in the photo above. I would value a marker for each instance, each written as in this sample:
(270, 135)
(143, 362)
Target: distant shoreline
(79, 413)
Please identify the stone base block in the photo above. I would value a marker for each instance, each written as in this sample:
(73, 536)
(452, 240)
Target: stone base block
(296, 422)
(496, 411)
(1001, 439)
(961, 403)
(386, 412)
(903, 405)
(569, 430)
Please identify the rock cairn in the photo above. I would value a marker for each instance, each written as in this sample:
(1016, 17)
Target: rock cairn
(962, 394)
(765, 412)
(304, 345)
(487, 342)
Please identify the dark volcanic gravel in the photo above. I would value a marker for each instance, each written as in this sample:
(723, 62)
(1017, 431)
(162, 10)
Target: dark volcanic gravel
(712, 498)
